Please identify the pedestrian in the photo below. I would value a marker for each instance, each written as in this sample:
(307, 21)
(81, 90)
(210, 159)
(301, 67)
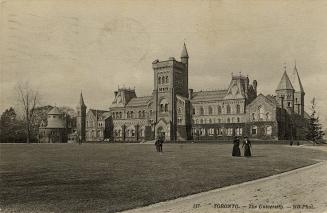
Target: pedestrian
(236, 149)
(162, 139)
(157, 144)
(247, 147)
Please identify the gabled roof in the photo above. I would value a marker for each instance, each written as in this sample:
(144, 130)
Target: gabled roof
(296, 81)
(139, 101)
(55, 111)
(208, 95)
(267, 99)
(101, 114)
(285, 83)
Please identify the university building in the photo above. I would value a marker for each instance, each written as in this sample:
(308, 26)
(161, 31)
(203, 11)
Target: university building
(180, 113)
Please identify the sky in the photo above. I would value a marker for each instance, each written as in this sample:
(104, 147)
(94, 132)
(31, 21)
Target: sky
(63, 47)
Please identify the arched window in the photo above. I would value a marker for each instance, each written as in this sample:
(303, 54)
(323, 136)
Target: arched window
(201, 121)
(120, 114)
(140, 114)
(143, 113)
(167, 79)
(268, 116)
(166, 107)
(228, 120)
(210, 110)
(238, 119)
(228, 109)
(159, 80)
(128, 115)
(219, 109)
(151, 112)
(201, 111)
(210, 121)
(132, 114)
(238, 109)
(161, 107)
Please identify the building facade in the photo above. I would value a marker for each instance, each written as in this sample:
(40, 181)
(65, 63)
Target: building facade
(180, 113)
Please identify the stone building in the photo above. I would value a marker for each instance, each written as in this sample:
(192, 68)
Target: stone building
(56, 129)
(98, 123)
(180, 113)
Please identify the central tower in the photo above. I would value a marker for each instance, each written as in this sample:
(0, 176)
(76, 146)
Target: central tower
(170, 80)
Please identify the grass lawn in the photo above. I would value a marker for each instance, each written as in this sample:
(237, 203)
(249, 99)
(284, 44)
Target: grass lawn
(113, 177)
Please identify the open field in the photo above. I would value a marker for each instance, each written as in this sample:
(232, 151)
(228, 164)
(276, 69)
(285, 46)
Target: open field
(112, 177)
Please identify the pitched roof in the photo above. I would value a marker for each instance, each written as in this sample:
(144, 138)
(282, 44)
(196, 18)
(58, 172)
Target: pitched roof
(296, 81)
(139, 101)
(208, 95)
(100, 113)
(285, 83)
(184, 53)
(55, 111)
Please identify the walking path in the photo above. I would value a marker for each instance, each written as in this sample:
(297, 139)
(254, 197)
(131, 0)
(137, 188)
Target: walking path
(300, 190)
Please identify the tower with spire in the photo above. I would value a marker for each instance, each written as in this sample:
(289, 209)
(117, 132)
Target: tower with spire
(81, 118)
(184, 60)
(298, 92)
(285, 93)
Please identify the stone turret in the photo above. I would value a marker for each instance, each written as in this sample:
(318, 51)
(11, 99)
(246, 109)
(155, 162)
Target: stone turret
(81, 119)
(298, 92)
(285, 93)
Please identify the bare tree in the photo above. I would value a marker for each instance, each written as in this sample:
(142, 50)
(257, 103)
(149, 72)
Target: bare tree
(28, 99)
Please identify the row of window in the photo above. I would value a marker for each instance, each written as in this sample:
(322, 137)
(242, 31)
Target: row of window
(229, 131)
(92, 124)
(128, 133)
(130, 114)
(210, 110)
(163, 80)
(217, 131)
(214, 120)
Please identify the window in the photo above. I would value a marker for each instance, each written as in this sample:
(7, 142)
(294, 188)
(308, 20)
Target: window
(268, 130)
(238, 119)
(133, 133)
(193, 111)
(211, 131)
(201, 111)
(289, 104)
(253, 116)
(230, 131)
(254, 130)
(268, 116)
(167, 79)
(219, 120)
(219, 109)
(203, 132)
(238, 131)
(166, 107)
(210, 121)
(159, 80)
(140, 114)
(210, 110)
(143, 113)
(238, 109)
(128, 115)
(228, 120)
(201, 121)
(120, 115)
(132, 114)
(261, 112)
(150, 112)
(228, 109)
(161, 107)
(179, 110)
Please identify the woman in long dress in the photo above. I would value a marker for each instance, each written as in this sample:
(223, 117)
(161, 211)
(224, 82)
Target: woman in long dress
(247, 147)
(236, 149)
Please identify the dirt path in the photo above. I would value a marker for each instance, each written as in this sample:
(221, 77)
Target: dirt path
(301, 190)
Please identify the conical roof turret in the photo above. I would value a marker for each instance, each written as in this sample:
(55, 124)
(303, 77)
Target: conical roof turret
(184, 53)
(81, 100)
(285, 83)
(296, 81)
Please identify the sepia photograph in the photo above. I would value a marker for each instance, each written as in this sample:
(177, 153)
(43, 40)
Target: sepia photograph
(156, 106)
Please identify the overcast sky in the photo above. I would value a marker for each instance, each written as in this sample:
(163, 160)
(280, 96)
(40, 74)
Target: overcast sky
(63, 47)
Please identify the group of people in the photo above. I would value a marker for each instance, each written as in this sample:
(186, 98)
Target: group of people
(159, 143)
(246, 145)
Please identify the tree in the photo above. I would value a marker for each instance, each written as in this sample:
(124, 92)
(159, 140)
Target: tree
(315, 132)
(11, 129)
(28, 99)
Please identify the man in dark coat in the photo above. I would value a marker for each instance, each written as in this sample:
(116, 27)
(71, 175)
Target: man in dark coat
(157, 144)
(247, 147)
(161, 141)
(236, 149)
